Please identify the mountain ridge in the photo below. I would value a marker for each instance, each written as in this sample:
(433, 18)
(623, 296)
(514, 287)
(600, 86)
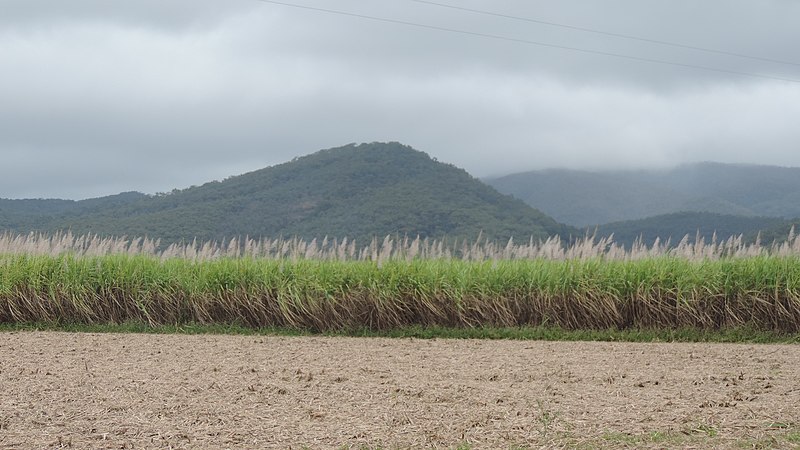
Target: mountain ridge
(588, 198)
(356, 191)
(673, 227)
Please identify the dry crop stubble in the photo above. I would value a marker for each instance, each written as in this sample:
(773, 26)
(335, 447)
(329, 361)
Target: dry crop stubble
(146, 391)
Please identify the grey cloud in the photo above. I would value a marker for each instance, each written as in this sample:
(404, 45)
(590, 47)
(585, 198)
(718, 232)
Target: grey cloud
(171, 15)
(770, 32)
(155, 95)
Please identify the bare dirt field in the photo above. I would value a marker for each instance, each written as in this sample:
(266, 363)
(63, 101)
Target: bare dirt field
(160, 391)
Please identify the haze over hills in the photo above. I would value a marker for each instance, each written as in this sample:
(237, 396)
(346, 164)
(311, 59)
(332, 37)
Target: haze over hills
(582, 198)
(674, 226)
(358, 191)
(371, 190)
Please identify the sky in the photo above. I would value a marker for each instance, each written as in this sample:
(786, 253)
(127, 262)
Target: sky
(104, 96)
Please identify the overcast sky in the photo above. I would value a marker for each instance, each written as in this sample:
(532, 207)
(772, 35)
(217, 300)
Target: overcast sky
(103, 96)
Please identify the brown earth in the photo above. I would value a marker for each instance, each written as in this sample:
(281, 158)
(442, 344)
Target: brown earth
(177, 391)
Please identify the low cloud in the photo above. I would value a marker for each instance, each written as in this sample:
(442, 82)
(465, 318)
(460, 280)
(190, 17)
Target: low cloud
(151, 96)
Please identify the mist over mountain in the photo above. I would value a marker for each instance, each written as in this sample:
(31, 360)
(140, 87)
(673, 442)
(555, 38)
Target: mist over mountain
(355, 191)
(372, 190)
(585, 198)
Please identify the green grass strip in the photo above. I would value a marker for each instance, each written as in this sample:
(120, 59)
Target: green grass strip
(741, 335)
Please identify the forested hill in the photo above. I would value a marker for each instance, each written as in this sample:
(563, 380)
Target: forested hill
(582, 198)
(358, 191)
(675, 226)
(32, 214)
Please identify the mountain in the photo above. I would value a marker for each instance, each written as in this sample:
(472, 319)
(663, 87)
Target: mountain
(582, 198)
(675, 226)
(359, 191)
(30, 214)
(780, 232)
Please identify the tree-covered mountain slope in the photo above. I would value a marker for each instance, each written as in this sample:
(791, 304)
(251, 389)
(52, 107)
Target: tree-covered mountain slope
(33, 214)
(359, 191)
(675, 226)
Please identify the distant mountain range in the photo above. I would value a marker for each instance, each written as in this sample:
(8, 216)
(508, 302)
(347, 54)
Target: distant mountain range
(583, 199)
(358, 191)
(674, 226)
(373, 190)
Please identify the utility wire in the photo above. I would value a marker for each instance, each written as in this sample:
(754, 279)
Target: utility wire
(529, 42)
(607, 33)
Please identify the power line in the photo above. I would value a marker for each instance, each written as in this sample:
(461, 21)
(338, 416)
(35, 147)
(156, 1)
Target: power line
(607, 33)
(529, 42)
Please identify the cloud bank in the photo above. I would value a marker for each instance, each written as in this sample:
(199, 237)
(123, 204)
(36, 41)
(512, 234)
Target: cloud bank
(151, 95)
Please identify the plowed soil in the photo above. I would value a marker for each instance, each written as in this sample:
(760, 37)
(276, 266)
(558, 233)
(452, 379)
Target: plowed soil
(60, 390)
